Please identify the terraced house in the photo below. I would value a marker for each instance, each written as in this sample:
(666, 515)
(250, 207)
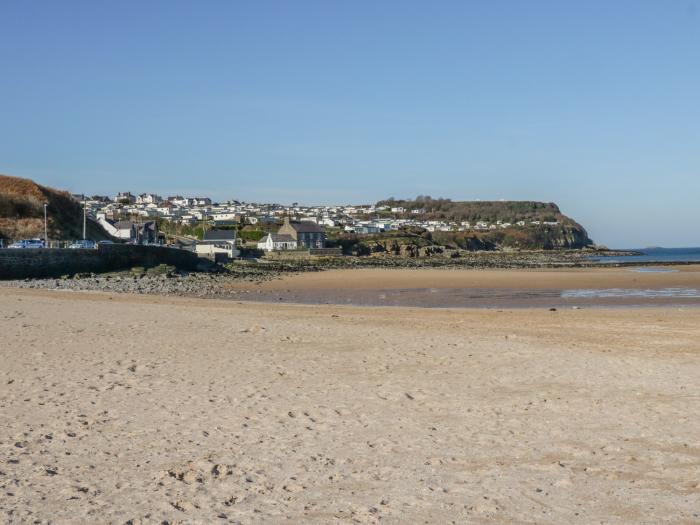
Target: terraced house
(306, 234)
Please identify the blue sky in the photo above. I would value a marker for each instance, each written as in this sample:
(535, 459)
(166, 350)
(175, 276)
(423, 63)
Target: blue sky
(593, 105)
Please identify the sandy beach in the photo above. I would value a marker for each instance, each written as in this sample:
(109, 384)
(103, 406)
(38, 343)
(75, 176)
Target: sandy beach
(140, 409)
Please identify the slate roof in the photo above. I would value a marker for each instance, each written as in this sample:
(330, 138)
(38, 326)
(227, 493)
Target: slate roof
(277, 237)
(306, 227)
(220, 235)
(149, 225)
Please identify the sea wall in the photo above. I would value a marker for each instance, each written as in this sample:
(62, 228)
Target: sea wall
(288, 255)
(44, 262)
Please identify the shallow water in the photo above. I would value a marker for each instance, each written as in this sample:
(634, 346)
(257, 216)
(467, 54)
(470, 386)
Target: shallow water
(656, 255)
(488, 297)
(631, 293)
(654, 270)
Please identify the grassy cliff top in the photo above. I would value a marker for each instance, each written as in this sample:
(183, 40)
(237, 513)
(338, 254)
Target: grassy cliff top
(490, 211)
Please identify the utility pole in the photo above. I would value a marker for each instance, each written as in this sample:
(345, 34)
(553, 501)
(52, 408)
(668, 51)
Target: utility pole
(84, 217)
(46, 228)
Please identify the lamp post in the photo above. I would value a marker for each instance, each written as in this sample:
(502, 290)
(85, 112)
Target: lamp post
(84, 217)
(46, 228)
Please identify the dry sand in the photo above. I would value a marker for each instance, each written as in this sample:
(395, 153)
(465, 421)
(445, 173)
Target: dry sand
(140, 409)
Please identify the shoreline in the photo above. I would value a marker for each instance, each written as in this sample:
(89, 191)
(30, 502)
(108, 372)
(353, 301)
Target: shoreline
(99, 295)
(482, 289)
(427, 288)
(495, 277)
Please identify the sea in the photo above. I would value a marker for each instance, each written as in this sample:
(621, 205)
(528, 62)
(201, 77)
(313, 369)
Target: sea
(644, 293)
(656, 255)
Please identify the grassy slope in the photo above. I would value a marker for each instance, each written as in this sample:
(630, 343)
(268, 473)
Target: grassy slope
(473, 211)
(22, 212)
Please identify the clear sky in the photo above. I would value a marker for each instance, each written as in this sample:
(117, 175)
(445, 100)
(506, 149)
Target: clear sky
(591, 104)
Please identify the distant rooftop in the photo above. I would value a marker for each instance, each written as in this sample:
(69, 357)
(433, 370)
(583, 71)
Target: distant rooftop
(220, 235)
(306, 227)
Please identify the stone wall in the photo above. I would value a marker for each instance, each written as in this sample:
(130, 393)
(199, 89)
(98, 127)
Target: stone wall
(303, 254)
(44, 262)
(326, 252)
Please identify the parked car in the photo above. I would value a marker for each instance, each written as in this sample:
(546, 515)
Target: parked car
(83, 245)
(27, 243)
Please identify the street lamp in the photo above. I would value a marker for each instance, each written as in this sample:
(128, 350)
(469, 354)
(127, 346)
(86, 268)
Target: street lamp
(84, 216)
(46, 228)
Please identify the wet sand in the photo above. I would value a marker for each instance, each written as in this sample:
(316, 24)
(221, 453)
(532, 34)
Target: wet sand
(142, 409)
(457, 278)
(455, 288)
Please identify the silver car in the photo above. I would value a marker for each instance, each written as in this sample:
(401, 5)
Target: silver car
(27, 243)
(83, 245)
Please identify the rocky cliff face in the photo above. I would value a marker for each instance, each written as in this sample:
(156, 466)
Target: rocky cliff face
(545, 226)
(571, 236)
(550, 237)
(420, 243)
(392, 247)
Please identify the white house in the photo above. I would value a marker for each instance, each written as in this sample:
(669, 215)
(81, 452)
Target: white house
(367, 228)
(107, 225)
(218, 244)
(141, 233)
(188, 219)
(125, 196)
(273, 241)
(148, 198)
(179, 200)
(125, 230)
(225, 216)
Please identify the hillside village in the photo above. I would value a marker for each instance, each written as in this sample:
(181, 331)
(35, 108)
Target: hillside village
(31, 213)
(359, 219)
(129, 229)
(271, 227)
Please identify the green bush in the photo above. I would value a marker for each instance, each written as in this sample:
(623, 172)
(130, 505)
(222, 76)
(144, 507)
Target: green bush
(251, 235)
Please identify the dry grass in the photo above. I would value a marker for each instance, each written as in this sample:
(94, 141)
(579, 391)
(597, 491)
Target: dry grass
(24, 188)
(21, 228)
(22, 213)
